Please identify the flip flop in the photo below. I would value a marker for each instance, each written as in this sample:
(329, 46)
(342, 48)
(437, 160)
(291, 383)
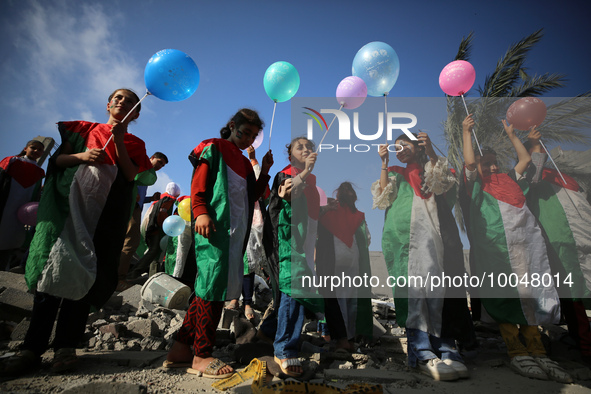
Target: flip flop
(211, 371)
(176, 364)
(290, 362)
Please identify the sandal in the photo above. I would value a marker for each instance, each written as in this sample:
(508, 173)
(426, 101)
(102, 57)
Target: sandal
(527, 366)
(64, 359)
(290, 362)
(212, 370)
(19, 364)
(232, 307)
(248, 312)
(553, 370)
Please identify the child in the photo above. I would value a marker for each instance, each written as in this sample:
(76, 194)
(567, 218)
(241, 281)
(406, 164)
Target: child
(223, 192)
(254, 250)
(342, 249)
(421, 238)
(82, 219)
(290, 237)
(564, 214)
(180, 254)
(20, 183)
(506, 239)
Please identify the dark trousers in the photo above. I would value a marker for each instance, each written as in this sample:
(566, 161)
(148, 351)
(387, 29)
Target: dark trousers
(248, 288)
(71, 323)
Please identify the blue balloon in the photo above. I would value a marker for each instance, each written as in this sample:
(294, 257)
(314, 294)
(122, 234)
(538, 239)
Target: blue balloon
(378, 65)
(171, 75)
(281, 81)
(173, 226)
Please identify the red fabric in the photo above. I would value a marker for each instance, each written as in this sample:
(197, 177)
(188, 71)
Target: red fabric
(552, 176)
(310, 191)
(504, 189)
(23, 172)
(343, 223)
(412, 174)
(97, 135)
(198, 189)
(199, 326)
(231, 154)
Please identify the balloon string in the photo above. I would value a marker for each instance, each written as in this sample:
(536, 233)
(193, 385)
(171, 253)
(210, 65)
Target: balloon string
(473, 132)
(386, 113)
(130, 111)
(328, 128)
(272, 119)
(552, 160)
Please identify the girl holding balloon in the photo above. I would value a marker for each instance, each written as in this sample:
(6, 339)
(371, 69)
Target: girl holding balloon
(82, 220)
(223, 192)
(20, 183)
(506, 240)
(421, 238)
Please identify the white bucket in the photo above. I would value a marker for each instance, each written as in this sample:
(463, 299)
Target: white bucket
(163, 289)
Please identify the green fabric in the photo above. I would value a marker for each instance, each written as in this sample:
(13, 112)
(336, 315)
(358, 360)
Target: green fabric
(53, 210)
(213, 253)
(146, 178)
(170, 259)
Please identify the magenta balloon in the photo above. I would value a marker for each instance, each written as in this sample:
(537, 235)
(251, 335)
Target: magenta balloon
(351, 92)
(526, 112)
(323, 199)
(457, 78)
(27, 213)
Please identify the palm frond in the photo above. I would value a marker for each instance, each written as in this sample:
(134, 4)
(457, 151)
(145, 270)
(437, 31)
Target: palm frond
(465, 48)
(537, 85)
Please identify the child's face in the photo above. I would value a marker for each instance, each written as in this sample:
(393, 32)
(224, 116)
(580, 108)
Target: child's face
(121, 103)
(487, 165)
(34, 151)
(157, 163)
(244, 135)
(407, 152)
(300, 150)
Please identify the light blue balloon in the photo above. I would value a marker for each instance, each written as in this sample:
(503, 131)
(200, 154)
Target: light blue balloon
(281, 81)
(171, 75)
(173, 226)
(378, 65)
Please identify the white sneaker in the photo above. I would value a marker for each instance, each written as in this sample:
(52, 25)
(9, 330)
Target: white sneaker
(459, 367)
(553, 370)
(437, 369)
(526, 366)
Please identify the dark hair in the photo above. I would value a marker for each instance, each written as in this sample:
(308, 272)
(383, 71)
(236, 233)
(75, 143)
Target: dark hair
(245, 115)
(29, 143)
(137, 99)
(422, 156)
(485, 151)
(347, 196)
(290, 145)
(160, 155)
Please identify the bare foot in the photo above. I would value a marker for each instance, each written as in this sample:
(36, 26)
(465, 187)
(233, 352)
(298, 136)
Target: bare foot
(233, 305)
(179, 352)
(201, 364)
(248, 312)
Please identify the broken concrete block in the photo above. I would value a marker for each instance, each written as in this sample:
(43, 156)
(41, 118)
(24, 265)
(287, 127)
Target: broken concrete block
(143, 328)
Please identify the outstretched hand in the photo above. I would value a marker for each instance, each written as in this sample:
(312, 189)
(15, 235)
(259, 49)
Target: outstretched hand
(468, 123)
(425, 142)
(508, 128)
(267, 162)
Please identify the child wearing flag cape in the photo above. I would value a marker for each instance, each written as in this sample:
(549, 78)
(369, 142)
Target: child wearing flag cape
(564, 214)
(506, 241)
(223, 192)
(20, 183)
(82, 219)
(421, 238)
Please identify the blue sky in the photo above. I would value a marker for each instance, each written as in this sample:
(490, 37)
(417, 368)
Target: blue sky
(61, 60)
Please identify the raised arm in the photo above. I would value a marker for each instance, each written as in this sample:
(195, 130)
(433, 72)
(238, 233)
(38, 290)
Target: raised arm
(469, 158)
(523, 156)
(385, 156)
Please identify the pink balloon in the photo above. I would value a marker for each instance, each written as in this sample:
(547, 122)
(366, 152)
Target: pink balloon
(259, 140)
(323, 199)
(27, 213)
(457, 78)
(526, 112)
(351, 92)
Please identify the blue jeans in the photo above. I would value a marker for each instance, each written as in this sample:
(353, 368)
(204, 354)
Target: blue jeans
(285, 325)
(422, 347)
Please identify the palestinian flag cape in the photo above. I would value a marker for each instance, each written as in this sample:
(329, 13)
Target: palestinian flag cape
(290, 238)
(565, 216)
(82, 219)
(506, 239)
(20, 183)
(230, 200)
(342, 250)
(421, 240)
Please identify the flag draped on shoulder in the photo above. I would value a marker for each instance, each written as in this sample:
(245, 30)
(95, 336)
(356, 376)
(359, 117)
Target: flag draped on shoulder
(82, 207)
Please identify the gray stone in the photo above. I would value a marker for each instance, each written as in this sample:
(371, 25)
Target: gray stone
(143, 328)
(15, 304)
(14, 281)
(107, 387)
(19, 332)
(365, 375)
(227, 317)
